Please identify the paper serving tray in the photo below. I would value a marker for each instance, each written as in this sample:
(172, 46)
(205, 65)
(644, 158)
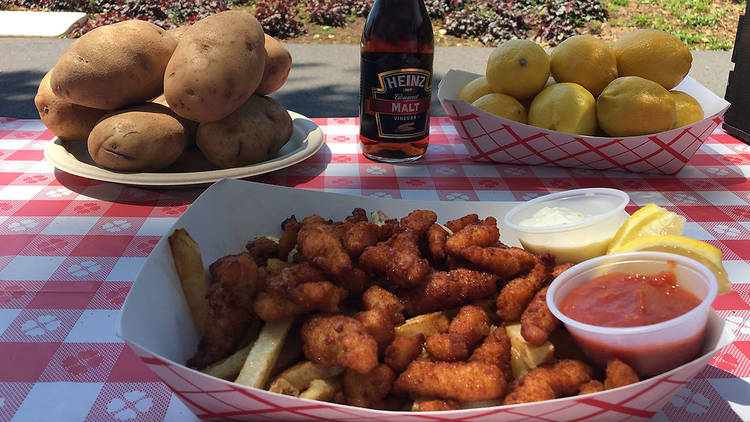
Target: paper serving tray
(492, 138)
(156, 323)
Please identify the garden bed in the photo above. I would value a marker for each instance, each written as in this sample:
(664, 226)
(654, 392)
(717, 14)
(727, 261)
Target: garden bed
(701, 24)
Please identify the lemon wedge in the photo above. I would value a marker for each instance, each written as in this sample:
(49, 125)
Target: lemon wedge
(706, 254)
(651, 220)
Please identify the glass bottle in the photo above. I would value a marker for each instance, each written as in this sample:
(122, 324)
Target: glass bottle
(396, 81)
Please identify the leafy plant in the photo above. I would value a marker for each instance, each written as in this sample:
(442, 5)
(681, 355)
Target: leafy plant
(87, 6)
(359, 8)
(279, 18)
(327, 12)
(561, 18)
(490, 25)
(165, 13)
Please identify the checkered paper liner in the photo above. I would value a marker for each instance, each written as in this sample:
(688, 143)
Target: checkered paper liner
(492, 138)
(217, 227)
(212, 398)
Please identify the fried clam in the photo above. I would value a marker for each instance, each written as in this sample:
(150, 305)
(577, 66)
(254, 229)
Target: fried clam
(320, 244)
(298, 289)
(502, 261)
(467, 328)
(516, 295)
(230, 314)
(495, 350)
(445, 290)
(460, 381)
(369, 389)
(547, 382)
(338, 340)
(399, 259)
(481, 234)
(537, 321)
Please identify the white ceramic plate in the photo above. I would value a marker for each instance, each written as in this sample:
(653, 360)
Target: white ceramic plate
(191, 168)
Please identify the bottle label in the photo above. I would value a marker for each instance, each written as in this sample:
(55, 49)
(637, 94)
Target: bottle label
(395, 97)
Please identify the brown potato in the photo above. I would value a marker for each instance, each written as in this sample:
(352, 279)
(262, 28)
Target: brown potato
(254, 132)
(147, 137)
(68, 121)
(278, 65)
(114, 66)
(190, 125)
(217, 65)
(177, 32)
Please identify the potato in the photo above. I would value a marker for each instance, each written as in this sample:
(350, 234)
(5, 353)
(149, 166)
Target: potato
(278, 64)
(177, 31)
(217, 65)
(190, 125)
(252, 133)
(68, 121)
(114, 66)
(147, 137)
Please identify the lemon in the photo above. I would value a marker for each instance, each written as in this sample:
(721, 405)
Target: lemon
(706, 254)
(654, 55)
(688, 109)
(502, 105)
(632, 105)
(518, 67)
(474, 89)
(564, 107)
(651, 220)
(585, 60)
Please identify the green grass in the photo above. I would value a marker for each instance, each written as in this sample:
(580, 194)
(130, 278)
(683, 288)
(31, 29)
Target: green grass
(700, 20)
(689, 12)
(716, 43)
(651, 22)
(690, 38)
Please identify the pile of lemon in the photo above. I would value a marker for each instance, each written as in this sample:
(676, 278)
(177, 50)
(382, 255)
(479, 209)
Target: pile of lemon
(621, 89)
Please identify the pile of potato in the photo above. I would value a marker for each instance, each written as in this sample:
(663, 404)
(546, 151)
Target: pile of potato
(140, 95)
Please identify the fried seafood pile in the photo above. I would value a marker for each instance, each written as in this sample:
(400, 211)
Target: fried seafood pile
(405, 314)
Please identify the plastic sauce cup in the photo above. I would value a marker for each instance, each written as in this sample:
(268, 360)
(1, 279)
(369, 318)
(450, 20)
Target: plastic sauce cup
(649, 349)
(604, 213)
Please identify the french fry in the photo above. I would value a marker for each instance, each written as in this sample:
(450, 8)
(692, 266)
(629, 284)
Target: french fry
(322, 389)
(229, 367)
(481, 403)
(187, 261)
(427, 324)
(291, 353)
(523, 355)
(264, 353)
(284, 387)
(302, 374)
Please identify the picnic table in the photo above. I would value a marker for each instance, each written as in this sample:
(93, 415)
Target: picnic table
(71, 247)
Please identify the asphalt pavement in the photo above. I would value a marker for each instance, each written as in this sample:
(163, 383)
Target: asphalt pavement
(324, 81)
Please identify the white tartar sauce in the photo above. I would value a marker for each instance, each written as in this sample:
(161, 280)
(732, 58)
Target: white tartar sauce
(552, 216)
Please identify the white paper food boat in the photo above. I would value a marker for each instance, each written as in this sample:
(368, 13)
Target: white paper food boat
(492, 138)
(156, 323)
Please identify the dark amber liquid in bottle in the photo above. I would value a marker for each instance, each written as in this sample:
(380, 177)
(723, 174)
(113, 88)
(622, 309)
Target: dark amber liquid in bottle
(396, 81)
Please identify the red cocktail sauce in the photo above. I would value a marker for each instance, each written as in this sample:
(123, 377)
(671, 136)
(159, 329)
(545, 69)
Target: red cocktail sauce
(630, 300)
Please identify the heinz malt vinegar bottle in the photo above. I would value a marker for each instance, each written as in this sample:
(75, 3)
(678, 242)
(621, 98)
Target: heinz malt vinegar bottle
(396, 81)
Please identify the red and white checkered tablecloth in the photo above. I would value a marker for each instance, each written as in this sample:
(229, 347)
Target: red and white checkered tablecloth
(70, 248)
